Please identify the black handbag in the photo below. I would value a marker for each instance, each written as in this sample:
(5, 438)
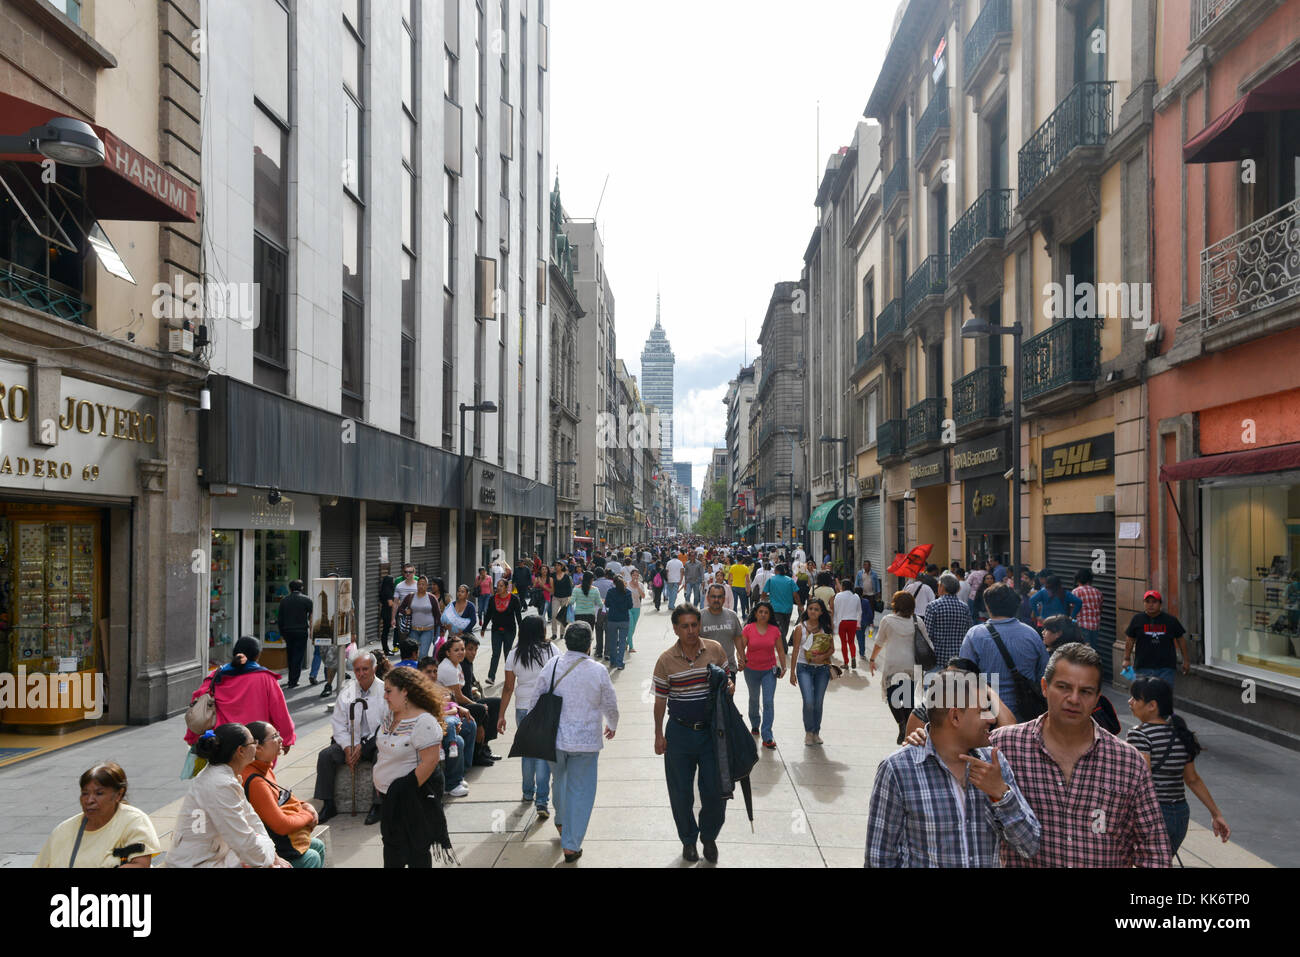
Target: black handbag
(922, 647)
(535, 736)
(1029, 698)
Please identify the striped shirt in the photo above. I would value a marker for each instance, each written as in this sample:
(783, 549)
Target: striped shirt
(1168, 758)
(684, 682)
(588, 602)
(1090, 614)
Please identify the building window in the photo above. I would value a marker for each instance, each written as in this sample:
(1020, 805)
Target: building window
(271, 58)
(448, 376)
(270, 273)
(69, 8)
(354, 326)
(409, 324)
(353, 308)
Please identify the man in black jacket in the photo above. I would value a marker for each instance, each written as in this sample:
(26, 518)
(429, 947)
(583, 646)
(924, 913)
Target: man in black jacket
(294, 618)
(387, 589)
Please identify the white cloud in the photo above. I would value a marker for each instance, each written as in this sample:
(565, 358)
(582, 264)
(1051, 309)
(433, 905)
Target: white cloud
(700, 420)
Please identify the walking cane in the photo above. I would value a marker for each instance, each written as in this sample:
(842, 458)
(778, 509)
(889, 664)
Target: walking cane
(352, 738)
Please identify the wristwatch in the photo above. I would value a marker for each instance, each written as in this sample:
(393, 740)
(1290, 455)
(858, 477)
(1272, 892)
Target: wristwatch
(1005, 799)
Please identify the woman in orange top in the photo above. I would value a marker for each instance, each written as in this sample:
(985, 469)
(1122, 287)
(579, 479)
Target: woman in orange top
(288, 819)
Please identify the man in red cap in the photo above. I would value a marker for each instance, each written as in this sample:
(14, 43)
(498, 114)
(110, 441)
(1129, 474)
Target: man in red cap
(1155, 632)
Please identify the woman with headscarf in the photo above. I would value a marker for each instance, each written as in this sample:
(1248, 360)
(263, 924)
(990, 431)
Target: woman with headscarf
(244, 691)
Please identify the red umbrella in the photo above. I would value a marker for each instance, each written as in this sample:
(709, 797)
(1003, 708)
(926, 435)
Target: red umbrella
(911, 564)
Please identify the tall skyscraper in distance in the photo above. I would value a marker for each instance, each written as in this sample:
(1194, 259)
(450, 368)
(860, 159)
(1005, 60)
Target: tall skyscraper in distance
(657, 362)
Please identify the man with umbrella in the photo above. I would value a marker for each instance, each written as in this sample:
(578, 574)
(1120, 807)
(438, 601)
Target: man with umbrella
(681, 684)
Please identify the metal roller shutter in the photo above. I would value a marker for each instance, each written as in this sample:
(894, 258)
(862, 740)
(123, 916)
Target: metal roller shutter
(428, 559)
(337, 532)
(870, 529)
(374, 532)
(1066, 555)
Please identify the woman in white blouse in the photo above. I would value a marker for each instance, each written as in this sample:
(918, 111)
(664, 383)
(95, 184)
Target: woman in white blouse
(216, 826)
(588, 698)
(896, 650)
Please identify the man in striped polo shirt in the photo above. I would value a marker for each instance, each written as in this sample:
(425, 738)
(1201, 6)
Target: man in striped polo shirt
(681, 681)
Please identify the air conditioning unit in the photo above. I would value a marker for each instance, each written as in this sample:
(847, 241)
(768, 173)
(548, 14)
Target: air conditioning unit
(180, 340)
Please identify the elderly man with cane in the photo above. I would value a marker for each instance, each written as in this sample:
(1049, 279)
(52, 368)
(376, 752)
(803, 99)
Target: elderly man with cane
(358, 714)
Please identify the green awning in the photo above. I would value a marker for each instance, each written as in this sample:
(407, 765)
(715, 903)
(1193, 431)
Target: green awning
(746, 530)
(826, 517)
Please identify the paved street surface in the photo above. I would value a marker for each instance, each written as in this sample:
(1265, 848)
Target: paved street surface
(810, 804)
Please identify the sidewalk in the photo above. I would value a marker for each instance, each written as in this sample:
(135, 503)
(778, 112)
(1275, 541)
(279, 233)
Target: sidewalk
(810, 804)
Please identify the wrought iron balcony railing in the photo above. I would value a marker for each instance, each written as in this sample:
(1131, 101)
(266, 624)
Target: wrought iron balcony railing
(895, 184)
(35, 291)
(1067, 352)
(989, 217)
(1254, 268)
(993, 20)
(1205, 13)
(890, 320)
(863, 351)
(1083, 118)
(929, 279)
(925, 422)
(934, 119)
(978, 395)
(891, 438)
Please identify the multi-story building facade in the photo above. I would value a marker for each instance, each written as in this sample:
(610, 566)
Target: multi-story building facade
(1222, 493)
(597, 386)
(657, 362)
(566, 317)
(350, 425)
(779, 403)
(742, 495)
(1015, 168)
(103, 527)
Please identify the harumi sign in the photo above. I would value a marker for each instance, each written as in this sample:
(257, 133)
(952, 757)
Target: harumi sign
(100, 433)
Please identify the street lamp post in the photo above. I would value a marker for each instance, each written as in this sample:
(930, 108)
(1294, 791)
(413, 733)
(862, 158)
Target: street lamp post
(790, 434)
(974, 328)
(489, 406)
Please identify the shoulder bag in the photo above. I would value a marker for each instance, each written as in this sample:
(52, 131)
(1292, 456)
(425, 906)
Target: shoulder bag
(1029, 698)
(535, 736)
(201, 715)
(922, 647)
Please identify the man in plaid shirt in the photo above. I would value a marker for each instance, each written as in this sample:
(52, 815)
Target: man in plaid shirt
(1092, 792)
(952, 802)
(1090, 614)
(947, 620)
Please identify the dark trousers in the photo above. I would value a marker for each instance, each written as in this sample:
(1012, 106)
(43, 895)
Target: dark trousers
(296, 645)
(502, 642)
(600, 635)
(328, 763)
(782, 620)
(486, 713)
(687, 751)
(385, 628)
(659, 594)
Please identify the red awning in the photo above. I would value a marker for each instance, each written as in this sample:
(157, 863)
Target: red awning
(1238, 133)
(128, 186)
(1275, 458)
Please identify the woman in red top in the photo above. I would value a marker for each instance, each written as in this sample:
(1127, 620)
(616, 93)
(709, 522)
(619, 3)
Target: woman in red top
(758, 650)
(244, 691)
(289, 820)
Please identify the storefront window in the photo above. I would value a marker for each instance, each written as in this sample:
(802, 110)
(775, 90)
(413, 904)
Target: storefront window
(1252, 592)
(223, 595)
(277, 560)
(48, 595)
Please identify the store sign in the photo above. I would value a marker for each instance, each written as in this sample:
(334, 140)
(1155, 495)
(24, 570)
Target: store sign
(419, 531)
(262, 514)
(1095, 456)
(928, 470)
(97, 437)
(987, 455)
(484, 482)
(987, 504)
(869, 486)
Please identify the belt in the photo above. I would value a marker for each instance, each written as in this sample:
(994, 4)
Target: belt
(693, 725)
(430, 628)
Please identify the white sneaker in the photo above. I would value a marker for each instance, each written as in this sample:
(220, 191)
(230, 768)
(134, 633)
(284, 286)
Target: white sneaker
(459, 791)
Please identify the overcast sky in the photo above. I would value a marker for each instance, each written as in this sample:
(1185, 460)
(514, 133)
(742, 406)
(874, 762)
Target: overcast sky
(703, 116)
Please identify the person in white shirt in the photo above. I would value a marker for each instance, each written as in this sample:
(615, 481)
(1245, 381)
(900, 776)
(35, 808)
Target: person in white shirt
(922, 593)
(846, 612)
(673, 577)
(216, 826)
(800, 557)
(763, 574)
(587, 699)
(523, 665)
(352, 730)
(615, 566)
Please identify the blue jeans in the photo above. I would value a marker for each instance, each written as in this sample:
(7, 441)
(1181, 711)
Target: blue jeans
(537, 773)
(693, 594)
(1166, 673)
(764, 683)
(1176, 817)
(314, 856)
(1092, 638)
(671, 589)
(616, 641)
(636, 615)
(575, 794)
(688, 750)
(464, 731)
(482, 602)
(315, 662)
(742, 600)
(813, 680)
(426, 639)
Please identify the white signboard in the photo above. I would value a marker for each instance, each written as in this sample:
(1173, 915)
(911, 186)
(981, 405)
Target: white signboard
(334, 618)
(1130, 530)
(99, 434)
(383, 549)
(418, 532)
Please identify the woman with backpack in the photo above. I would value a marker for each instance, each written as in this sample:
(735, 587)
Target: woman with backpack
(1170, 748)
(657, 582)
(896, 635)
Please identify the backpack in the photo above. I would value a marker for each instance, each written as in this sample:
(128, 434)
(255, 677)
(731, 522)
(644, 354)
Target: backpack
(658, 580)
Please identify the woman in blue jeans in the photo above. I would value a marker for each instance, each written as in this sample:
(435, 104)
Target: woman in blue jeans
(618, 609)
(523, 665)
(757, 651)
(813, 647)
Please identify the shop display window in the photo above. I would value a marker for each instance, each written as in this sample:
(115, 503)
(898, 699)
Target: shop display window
(223, 594)
(1252, 586)
(277, 560)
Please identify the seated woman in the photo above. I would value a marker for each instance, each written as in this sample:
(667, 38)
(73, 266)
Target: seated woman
(107, 833)
(288, 819)
(216, 826)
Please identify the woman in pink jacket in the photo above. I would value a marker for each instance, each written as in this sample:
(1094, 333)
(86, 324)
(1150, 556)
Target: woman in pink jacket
(244, 691)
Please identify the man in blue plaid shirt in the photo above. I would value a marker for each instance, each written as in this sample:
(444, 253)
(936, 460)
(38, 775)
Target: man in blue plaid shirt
(954, 801)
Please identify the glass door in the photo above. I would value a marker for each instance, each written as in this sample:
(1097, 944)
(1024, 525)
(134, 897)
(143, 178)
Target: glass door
(223, 594)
